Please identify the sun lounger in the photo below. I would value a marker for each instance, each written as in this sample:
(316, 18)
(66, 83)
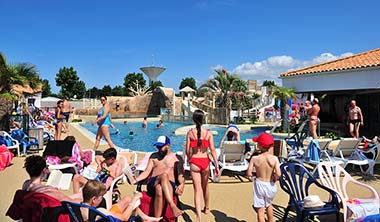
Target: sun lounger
(232, 157)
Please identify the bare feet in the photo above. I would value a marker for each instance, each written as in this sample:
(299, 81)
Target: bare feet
(176, 211)
(206, 210)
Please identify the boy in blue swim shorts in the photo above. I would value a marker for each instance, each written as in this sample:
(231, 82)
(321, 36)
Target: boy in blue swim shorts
(267, 173)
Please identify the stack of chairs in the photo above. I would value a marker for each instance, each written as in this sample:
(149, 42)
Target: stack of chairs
(27, 143)
(9, 142)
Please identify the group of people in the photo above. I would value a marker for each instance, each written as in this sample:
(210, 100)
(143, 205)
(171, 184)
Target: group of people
(62, 117)
(91, 194)
(164, 172)
(165, 169)
(311, 110)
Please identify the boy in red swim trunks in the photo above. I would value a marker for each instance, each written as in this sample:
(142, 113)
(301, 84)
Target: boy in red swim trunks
(162, 181)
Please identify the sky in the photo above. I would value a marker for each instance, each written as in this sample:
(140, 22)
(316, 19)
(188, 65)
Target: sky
(105, 40)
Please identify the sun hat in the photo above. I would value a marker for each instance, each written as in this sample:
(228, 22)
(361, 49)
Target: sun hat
(162, 141)
(264, 140)
(312, 201)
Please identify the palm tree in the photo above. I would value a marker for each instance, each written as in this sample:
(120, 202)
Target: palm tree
(239, 95)
(21, 74)
(221, 86)
(284, 94)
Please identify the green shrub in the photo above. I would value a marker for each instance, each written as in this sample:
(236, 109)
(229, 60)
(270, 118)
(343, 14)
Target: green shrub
(331, 135)
(253, 119)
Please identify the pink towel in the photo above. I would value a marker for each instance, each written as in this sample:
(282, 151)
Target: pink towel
(5, 157)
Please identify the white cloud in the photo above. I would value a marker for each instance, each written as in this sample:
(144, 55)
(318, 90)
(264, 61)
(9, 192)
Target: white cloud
(270, 68)
(217, 67)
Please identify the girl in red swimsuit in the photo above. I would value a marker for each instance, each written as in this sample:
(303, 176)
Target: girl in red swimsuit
(198, 141)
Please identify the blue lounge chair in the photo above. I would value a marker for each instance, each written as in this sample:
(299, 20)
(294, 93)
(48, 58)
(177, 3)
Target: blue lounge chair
(27, 142)
(93, 213)
(9, 142)
(296, 140)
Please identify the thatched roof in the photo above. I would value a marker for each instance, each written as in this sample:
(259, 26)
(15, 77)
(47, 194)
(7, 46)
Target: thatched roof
(26, 89)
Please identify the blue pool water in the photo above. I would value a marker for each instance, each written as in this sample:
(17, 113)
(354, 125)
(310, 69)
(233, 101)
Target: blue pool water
(143, 138)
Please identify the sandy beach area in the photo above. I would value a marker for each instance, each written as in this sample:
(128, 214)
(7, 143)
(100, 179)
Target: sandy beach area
(231, 198)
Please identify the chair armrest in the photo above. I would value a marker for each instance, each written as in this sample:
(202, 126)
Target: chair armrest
(334, 195)
(140, 183)
(374, 194)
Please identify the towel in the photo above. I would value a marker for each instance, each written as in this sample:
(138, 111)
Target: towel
(313, 152)
(5, 157)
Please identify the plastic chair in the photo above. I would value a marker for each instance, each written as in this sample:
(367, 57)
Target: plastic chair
(298, 189)
(330, 176)
(60, 148)
(27, 142)
(232, 158)
(296, 140)
(372, 155)
(346, 147)
(9, 142)
(349, 153)
(94, 214)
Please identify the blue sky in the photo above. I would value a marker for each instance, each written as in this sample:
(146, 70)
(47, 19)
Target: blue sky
(105, 40)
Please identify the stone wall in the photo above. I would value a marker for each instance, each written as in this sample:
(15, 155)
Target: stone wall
(140, 105)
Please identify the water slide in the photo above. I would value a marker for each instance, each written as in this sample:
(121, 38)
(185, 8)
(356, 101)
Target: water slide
(188, 107)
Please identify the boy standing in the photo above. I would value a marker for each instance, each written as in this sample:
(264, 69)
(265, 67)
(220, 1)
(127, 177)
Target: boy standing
(267, 172)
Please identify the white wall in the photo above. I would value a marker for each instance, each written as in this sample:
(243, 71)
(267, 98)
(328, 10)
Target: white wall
(329, 81)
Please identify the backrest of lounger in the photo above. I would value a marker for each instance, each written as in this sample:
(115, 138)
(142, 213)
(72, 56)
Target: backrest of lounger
(60, 148)
(233, 150)
(348, 145)
(323, 143)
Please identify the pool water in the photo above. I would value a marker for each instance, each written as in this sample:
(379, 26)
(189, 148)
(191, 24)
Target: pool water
(143, 138)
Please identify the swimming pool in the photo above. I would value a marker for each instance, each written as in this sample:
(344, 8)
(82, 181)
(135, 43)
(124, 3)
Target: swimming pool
(143, 138)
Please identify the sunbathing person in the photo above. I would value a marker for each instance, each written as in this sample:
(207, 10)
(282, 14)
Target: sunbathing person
(37, 170)
(160, 169)
(369, 143)
(93, 192)
(231, 132)
(108, 168)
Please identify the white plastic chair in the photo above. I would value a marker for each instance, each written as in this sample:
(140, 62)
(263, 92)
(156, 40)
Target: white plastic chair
(330, 176)
(346, 147)
(15, 144)
(232, 158)
(370, 157)
(323, 145)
